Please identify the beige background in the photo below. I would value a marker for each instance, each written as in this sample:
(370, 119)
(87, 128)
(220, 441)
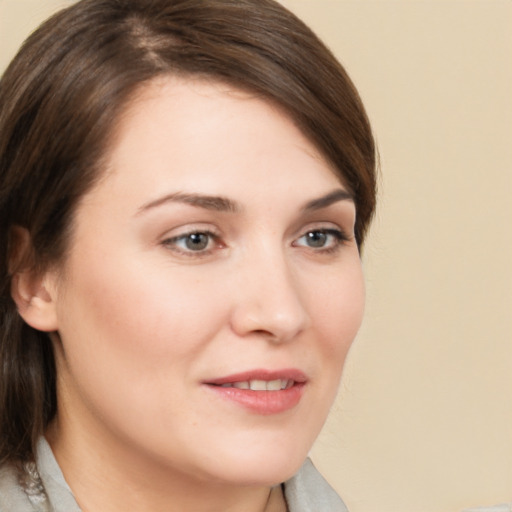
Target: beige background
(424, 420)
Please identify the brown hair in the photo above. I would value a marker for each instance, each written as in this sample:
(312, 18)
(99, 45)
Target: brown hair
(60, 98)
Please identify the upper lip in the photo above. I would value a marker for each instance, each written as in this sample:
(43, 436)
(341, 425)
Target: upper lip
(261, 374)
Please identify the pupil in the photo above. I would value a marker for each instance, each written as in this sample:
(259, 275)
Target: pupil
(197, 241)
(316, 238)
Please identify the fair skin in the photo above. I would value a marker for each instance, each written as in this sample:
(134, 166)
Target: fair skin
(218, 248)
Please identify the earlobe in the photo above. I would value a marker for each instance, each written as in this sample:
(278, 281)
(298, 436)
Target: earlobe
(36, 305)
(32, 291)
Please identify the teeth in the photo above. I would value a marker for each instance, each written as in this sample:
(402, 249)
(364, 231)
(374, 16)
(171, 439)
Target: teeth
(261, 385)
(258, 385)
(274, 385)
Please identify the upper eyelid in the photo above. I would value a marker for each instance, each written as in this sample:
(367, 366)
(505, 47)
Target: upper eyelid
(214, 232)
(190, 229)
(189, 233)
(180, 236)
(321, 225)
(337, 232)
(302, 226)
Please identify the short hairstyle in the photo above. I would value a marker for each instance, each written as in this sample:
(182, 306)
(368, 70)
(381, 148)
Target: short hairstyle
(60, 100)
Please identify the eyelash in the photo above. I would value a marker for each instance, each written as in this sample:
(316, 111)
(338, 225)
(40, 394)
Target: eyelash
(339, 237)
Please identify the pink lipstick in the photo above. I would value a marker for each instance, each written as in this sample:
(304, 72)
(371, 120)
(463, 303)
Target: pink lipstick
(262, 391)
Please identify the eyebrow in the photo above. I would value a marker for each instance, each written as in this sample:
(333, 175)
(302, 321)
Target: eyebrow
(327, 200)
(223, 204)
(216, 203)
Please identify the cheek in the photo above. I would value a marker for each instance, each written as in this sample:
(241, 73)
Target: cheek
(338, 309)
(137, 333)
(129, 336)
(140, 309)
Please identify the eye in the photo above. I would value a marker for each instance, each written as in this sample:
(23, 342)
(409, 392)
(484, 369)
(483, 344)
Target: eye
(196, 241)
(323, 239)
(193, 242)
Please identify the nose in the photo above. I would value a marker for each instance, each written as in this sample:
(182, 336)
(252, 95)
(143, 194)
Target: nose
(268, 300)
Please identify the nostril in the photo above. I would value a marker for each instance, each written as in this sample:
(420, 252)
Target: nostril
(264, 333)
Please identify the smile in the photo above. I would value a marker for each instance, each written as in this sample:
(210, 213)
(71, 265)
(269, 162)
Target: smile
(261, 392)
(261, 385)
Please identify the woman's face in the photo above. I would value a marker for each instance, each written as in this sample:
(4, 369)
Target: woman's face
(217, 254)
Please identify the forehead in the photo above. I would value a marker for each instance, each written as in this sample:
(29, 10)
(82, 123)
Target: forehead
(207, 122)
(196, 99)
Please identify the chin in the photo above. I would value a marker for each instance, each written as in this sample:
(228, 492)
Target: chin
(259, 465)
(261, 475)
(263, 453)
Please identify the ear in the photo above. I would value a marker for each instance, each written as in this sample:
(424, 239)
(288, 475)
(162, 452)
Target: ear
(33, 292)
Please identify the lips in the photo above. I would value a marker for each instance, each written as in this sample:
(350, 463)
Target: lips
(261, 391)
(261, 385)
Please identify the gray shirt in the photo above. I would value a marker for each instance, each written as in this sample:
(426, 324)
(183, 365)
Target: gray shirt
(42, 488)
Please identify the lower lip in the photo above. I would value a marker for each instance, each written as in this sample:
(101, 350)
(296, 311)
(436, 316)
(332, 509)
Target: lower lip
(262, 402)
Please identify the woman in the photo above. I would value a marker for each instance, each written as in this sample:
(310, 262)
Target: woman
(185, 190)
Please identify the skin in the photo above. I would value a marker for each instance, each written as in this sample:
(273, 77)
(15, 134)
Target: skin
(142, 320)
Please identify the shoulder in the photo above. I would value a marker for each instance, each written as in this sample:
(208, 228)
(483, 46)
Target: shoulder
(12, 496)
(504, 507)
(308, 491)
